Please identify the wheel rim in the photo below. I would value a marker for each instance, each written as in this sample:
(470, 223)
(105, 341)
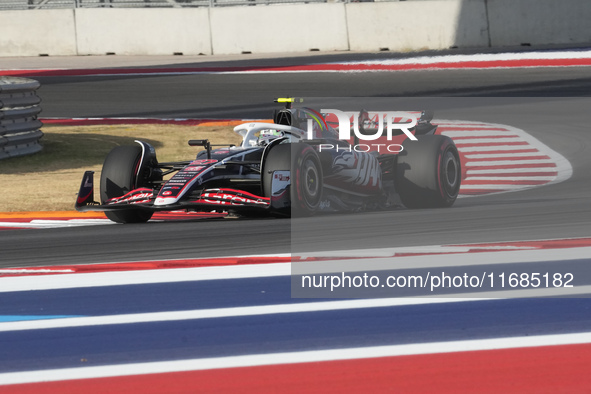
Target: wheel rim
(311, 183)
(307, 186)
(451, 174)
(311, 179)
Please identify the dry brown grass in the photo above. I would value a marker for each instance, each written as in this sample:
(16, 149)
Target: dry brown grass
(49, 180)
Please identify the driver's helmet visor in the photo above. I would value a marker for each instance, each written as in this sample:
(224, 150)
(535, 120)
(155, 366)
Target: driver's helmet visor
(268, 135)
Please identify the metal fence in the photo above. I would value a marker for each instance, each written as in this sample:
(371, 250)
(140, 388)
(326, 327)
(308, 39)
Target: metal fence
(53, 4)
(19, 127)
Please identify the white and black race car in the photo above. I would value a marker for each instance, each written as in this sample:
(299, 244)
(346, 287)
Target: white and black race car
(296, 166)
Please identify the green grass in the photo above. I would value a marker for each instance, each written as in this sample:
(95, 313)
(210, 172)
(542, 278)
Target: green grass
(49, 180)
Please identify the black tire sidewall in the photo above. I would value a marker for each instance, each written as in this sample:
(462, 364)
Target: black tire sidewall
(422, 180)
(306, 181)
(118, 177)
(296, 158)
(450, 173)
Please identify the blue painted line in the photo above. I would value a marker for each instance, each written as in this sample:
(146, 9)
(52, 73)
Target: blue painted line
(13, 318)
(161, 341)
(109, 300)
(222, 293)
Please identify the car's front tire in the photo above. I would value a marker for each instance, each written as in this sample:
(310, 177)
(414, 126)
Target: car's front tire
(305, 172)
(118, 177)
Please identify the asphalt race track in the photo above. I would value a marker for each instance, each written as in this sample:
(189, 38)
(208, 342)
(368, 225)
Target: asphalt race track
(250, 96)
(238, 329)
(559, 210)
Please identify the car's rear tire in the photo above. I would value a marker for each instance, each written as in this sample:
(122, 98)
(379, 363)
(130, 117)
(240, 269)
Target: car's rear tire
(428, 172)
(118, 177)
(305, 172)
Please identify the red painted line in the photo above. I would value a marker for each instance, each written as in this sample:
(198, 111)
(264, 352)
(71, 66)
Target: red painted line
(478, 192)
(51, 215)
(540, 157)
(463, 126)
(541, 244)
(127, 71)
(119, 121)
(448, 65)
(459, 127)
(143, 265)
(230, 261)
(478, 136)
(507, 166)
(492, 247)
(546, 369)
(89, 122)
(336, 67)
(494, 144)
(470, 182)
(492, 152)
(477, 139)
(514, 174)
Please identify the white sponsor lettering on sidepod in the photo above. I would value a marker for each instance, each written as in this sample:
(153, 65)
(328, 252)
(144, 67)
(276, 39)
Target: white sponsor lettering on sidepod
(187, 185)
(281, 179)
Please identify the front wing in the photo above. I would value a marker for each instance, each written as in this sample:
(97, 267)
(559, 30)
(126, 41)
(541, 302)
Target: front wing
(221, 199)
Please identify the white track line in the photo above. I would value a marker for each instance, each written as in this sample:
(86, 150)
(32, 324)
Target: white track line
(14, 271)
(498, 152)
(224, 312)
(41, 223)
(504, 186)
(510, 170)
(441, 261)
(479, 141)
(496, 163)
(492, 148)
(467, 124)
(359, 353)
(482, 57)
(279, 309)
(511, 179)
(504, 155)
(476, 133)
(82, 280)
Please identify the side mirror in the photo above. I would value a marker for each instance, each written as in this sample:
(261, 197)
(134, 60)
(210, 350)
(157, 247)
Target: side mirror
(203, 143)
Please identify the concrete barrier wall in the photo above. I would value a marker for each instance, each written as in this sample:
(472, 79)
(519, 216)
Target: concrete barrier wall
(143, 31)
(417, 25)
(34, 33)
(279, 28)
(398, 26)
(539, 22)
